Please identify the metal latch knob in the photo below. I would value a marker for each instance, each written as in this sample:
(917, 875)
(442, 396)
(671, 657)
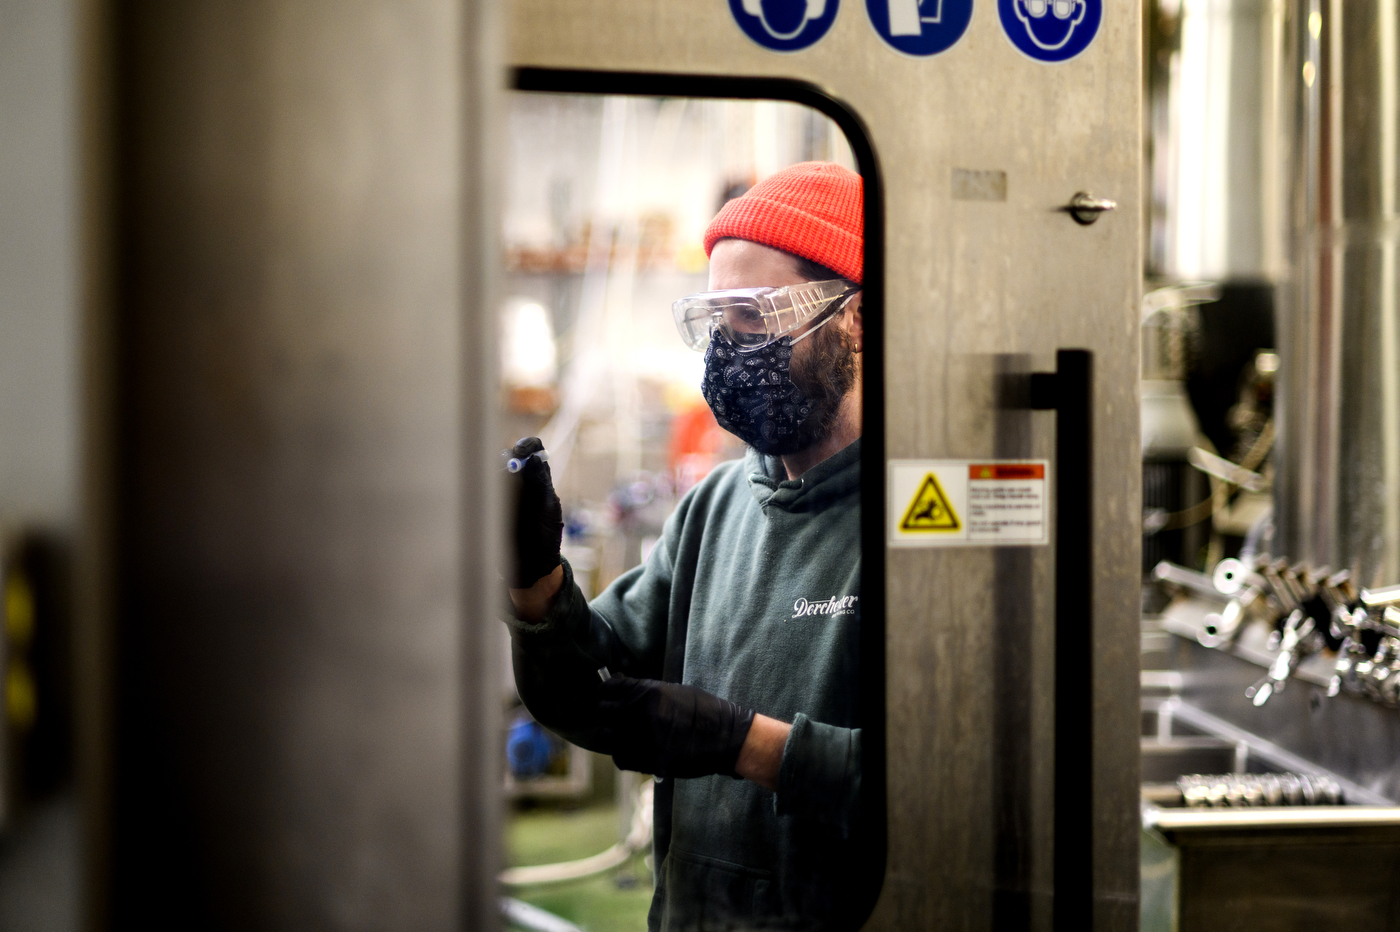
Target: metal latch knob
(1085, 208)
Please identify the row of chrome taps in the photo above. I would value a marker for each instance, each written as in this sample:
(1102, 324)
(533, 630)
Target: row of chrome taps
(1311, 610)
(1248, 790)
(1368, 662)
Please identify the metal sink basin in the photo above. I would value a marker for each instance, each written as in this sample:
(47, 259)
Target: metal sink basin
(1164, 761)
(1179, 740)
(1267, 867)
(1174, 748)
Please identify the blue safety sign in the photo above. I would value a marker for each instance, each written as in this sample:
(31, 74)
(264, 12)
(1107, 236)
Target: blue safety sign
(784, 25)
(1051, 30)
(920, 27)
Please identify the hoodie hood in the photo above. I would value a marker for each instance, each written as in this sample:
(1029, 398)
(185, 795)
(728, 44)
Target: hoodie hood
(834, 477)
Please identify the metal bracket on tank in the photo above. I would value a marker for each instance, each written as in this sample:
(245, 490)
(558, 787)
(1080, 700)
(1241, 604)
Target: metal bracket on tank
(1069, 392)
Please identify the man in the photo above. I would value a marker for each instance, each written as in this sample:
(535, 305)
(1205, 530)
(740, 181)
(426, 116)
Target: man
(727, 665)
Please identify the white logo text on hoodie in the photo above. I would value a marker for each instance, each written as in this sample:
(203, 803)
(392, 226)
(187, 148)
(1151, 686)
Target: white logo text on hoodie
(844, 605)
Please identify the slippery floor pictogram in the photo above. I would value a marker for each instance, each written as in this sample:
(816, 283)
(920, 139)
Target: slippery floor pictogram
(930, 510)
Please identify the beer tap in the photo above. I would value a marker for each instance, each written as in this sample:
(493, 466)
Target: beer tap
(1288, 589)
(1373, 670)
(1378, 636)
(1308, 610)
(1350, 623)
(1293, 641)
(1247, 588)
(1384, 679)
(1329, 596)
(1368, 661)
(1339, 595)
(1298, 637)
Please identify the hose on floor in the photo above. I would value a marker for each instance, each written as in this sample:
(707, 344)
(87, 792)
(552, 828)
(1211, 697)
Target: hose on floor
(637, 840)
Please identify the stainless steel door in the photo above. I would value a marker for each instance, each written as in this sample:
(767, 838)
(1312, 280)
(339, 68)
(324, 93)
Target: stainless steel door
(981, 280)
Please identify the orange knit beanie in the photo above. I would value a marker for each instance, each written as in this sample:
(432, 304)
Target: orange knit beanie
(811, 209)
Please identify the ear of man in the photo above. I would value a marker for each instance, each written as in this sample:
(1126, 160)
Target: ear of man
(855, 327)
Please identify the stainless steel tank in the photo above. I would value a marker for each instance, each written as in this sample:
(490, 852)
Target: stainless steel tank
(1339, 454)
(1214, 79)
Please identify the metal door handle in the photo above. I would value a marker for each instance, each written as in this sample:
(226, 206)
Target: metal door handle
(1085, 208)
(1069, 391)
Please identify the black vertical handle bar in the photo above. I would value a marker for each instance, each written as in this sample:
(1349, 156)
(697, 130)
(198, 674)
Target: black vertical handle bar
(1069, 391)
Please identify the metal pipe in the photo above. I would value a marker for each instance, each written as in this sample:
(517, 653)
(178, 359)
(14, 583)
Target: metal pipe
(1339, 459)
(1189, 579)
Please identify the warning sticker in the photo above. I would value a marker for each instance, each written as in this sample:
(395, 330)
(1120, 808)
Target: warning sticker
(940, 503)
(930, 511)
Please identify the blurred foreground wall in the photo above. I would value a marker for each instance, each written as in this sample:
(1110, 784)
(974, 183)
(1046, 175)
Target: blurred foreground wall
(38, 406)
(282, 638)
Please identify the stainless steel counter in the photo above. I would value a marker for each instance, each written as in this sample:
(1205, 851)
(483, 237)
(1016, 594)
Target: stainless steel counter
(1352, 737)
(1268, 868)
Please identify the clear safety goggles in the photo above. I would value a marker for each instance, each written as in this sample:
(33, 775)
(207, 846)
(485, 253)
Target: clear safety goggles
(754, 317)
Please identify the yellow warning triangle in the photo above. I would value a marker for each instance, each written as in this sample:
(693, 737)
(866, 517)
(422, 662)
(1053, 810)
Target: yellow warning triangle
(930, 510)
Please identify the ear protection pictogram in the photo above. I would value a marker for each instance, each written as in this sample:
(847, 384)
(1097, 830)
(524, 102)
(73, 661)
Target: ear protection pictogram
(815, 10)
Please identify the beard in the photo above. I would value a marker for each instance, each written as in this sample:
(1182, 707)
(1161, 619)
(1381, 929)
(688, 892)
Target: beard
(825, 373)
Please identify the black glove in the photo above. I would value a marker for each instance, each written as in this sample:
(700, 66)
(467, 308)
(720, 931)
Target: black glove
(538, 514)
(670, 729)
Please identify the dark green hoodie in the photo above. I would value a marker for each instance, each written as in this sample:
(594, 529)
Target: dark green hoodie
(753, 594)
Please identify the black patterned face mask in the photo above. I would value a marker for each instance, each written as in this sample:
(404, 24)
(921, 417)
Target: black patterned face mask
(753, 396)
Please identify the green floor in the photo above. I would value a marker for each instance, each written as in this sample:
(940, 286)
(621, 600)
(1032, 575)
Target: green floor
(549, 835)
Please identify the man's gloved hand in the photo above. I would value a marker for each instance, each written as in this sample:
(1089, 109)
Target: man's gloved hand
(538, 514)
(671, 729)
